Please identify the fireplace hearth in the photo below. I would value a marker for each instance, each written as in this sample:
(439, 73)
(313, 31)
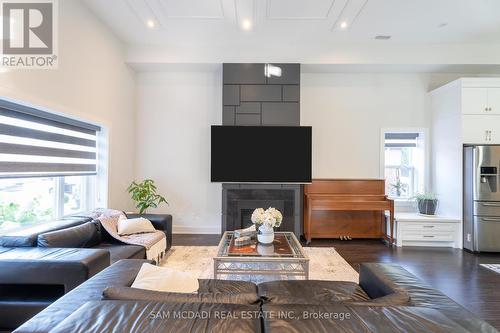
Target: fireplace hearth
(240, 200)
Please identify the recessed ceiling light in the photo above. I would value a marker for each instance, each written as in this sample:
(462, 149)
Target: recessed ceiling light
(246, 24)
(383, 37)
(151, 24)
(343, 25)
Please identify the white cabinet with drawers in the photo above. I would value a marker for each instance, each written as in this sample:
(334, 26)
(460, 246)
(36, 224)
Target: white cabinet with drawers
(417, 230)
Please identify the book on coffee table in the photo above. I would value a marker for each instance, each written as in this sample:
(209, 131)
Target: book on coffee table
(250, 232)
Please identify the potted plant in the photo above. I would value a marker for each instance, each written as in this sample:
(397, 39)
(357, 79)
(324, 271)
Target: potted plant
(145, 196)
(426, 203)
(266, 220)
(399, 187)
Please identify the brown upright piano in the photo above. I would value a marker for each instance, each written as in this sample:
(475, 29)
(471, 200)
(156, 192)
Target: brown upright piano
(353, 208)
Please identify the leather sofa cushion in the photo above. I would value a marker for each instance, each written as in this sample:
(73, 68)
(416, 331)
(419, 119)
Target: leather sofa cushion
(313, 319)
(381, 279)
(394, 299)
(28, 237)
(310, 292)
(134, 294)
(119, 251)
(31, 278)
(121, 273)
(84, 235)
(226, 286)
(68, 267)
(212, 290)
(158, 317)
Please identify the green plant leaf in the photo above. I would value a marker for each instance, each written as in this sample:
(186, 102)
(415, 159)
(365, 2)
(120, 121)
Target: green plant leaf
(144, 195)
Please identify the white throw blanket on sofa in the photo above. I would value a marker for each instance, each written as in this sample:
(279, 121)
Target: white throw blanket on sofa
(155, 243)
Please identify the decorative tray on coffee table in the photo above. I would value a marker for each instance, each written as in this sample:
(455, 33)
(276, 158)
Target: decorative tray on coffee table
(283, 246)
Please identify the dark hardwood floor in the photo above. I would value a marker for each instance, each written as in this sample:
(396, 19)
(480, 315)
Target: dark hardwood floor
(452, 271)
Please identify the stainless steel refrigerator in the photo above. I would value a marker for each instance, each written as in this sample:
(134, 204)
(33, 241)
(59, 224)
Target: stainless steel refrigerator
(481, 206)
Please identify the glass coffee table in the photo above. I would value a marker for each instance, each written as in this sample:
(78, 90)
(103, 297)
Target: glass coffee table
(283, 259)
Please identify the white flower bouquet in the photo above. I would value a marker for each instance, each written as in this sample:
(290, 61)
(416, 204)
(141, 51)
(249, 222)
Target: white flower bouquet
(270, 218)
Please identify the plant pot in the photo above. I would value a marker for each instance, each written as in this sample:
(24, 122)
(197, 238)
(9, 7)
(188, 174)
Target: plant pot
(427, 206)
(265, 235)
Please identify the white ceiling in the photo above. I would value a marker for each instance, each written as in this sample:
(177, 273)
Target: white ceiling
(216, 24)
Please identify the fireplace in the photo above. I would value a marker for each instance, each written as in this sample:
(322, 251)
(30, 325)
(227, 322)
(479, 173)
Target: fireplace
(240, 200)
(245, 209)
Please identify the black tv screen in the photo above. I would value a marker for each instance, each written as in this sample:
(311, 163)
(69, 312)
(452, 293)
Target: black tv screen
(267, 154)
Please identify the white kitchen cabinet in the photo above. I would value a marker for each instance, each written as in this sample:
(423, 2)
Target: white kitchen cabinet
(474, 101)
(494, 100)
(481, 101)
(478, 129)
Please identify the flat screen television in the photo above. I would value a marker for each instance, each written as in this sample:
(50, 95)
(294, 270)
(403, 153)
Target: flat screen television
(261, 154)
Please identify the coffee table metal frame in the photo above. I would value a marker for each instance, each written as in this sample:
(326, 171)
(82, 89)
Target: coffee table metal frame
(297, 265)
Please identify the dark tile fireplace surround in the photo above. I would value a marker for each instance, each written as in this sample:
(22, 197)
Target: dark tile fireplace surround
(240, 200)
(251, 98)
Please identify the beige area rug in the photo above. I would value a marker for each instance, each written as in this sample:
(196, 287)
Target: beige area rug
(325, 263)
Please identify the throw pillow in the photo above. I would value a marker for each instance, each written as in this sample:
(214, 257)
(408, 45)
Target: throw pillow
(134, 226)
(151, 277)
(84, 235)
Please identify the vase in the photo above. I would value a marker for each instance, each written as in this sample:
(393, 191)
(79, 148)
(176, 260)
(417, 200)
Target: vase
(265, 235)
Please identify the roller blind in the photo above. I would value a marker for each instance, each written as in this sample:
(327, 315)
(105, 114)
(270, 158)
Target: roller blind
(35, 143)
(401, 140)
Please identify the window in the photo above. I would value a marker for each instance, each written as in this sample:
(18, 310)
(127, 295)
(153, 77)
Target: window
(74, 194)
(48, 166)
(404, 157)
(28, 201)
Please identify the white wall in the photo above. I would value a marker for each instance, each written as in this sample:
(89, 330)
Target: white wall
(175, 111)
(92, 83)
(447, 160)
(347, 112)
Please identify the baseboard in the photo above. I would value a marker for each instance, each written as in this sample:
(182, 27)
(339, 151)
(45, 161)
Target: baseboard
(184, 229)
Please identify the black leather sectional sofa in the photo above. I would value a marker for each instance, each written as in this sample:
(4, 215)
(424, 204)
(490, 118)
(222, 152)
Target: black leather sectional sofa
(40, 264)
(387, 299)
